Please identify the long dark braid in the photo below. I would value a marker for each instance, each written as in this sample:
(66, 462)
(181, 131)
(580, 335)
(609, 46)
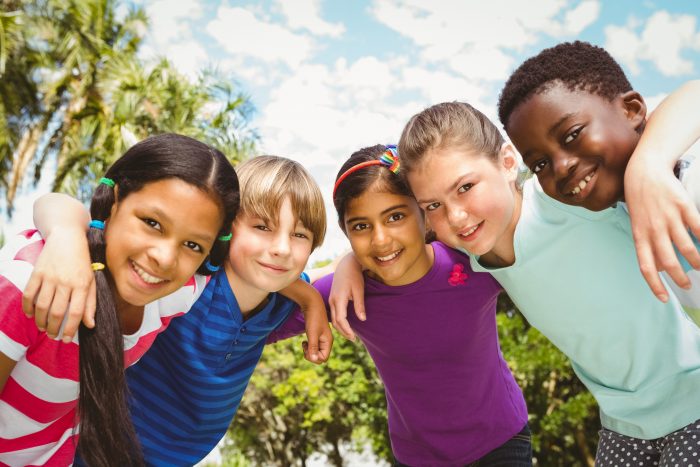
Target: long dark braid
(107, 436)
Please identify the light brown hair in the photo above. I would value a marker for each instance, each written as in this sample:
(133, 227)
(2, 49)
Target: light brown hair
(450, 124)
(265, 183)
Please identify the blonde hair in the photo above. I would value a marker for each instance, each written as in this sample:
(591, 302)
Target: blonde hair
(265, 183)
(446, 125)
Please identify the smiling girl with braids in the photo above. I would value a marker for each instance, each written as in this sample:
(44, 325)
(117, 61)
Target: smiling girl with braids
(161, 213)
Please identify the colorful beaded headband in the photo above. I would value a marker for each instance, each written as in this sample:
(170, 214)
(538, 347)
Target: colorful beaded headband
(390, 160)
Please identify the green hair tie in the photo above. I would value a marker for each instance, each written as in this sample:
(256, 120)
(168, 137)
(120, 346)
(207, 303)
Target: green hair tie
(226, 238)
(107, 181)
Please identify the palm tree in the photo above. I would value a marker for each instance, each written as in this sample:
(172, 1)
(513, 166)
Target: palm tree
(147, 102)
(19, 103)
(74, 38)
(89, 85)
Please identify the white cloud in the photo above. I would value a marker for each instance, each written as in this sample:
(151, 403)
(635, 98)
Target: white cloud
(662, 42)
(440, 86)
(322, 113)
(469, 32)
(170, 34)
(578, 19)
(305, 14)
(166, 18)
(240, 32)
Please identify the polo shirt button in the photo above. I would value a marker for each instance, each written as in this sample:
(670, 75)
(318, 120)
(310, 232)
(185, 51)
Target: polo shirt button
(243, 329)
(229, 356)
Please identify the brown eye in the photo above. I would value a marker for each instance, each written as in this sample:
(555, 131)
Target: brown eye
(466, 187)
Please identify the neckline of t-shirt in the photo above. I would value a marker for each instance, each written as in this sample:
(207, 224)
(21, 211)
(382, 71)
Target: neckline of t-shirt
(419, 283)
(534, 186)
(232, 302)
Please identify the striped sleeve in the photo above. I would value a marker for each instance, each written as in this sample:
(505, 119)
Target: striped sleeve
(17, 332)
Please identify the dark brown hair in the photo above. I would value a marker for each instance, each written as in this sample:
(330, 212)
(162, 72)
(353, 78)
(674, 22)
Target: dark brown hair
(107, 436)
(577, 65)
(377, 177)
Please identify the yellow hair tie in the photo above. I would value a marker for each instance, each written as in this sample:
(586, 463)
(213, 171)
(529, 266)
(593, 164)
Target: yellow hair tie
(97, 266)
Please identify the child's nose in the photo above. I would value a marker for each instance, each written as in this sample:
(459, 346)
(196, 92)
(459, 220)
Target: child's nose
(456, 216)
(164, 253)
(280, 245)
(380, 237)
(563, 163)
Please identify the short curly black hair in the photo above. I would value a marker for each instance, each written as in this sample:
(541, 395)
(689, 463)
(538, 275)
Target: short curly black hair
(577, 65)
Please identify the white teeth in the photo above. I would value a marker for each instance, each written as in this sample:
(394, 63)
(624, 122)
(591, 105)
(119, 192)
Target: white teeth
(582, 184)
(147, 278)
(470, 231)
(389, 257)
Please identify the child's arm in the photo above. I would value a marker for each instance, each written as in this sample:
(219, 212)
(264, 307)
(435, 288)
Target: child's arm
(660, 209)
(6, 367)
(320, 338)
(348, 284)
(62, 278)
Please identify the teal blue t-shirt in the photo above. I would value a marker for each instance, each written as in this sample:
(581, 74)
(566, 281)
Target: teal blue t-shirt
(577, 280)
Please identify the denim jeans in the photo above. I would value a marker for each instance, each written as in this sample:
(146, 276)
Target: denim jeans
(516, 452)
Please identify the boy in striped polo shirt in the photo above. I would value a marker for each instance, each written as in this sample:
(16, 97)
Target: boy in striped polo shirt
(187, 388)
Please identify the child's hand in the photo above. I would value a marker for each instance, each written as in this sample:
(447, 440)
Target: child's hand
(317, 347)
(62, 282)
(348, 284)
(660, 210)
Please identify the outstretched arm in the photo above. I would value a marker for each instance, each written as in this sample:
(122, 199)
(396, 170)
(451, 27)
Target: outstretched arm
(62, 280)
(661, 211)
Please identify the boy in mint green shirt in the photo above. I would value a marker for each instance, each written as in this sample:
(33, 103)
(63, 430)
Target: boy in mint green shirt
(574, 117)
(576, 121)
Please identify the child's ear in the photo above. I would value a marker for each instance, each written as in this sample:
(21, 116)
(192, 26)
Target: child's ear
(635, 108)
(509, 160)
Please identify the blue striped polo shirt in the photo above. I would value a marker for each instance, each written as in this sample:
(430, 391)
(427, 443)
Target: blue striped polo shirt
(186, 389)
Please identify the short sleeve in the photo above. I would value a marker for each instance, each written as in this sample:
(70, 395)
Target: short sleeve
(17, 332)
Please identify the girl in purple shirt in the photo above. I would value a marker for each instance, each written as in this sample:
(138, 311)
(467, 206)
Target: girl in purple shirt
(430, 328)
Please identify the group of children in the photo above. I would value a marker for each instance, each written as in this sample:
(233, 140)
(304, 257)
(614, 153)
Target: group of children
(166, 240)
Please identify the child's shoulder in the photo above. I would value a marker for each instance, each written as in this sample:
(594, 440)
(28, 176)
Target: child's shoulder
(458, 265)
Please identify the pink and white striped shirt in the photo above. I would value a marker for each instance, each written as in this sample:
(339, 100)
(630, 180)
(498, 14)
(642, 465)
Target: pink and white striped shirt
(38, 424)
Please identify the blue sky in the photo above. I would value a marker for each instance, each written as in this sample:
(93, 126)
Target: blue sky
(330, 77)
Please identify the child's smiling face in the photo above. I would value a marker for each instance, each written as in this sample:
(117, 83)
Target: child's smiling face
(578, 143)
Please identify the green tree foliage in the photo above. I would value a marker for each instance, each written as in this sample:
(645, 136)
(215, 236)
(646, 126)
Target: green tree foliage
(292, 409)
(73, 86)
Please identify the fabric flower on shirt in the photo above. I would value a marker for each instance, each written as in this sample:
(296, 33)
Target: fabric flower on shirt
(457, 276)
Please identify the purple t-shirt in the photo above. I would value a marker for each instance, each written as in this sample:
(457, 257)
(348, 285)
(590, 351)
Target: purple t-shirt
(451, 397)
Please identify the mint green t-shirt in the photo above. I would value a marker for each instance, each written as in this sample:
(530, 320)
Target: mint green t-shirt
(577, 280)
